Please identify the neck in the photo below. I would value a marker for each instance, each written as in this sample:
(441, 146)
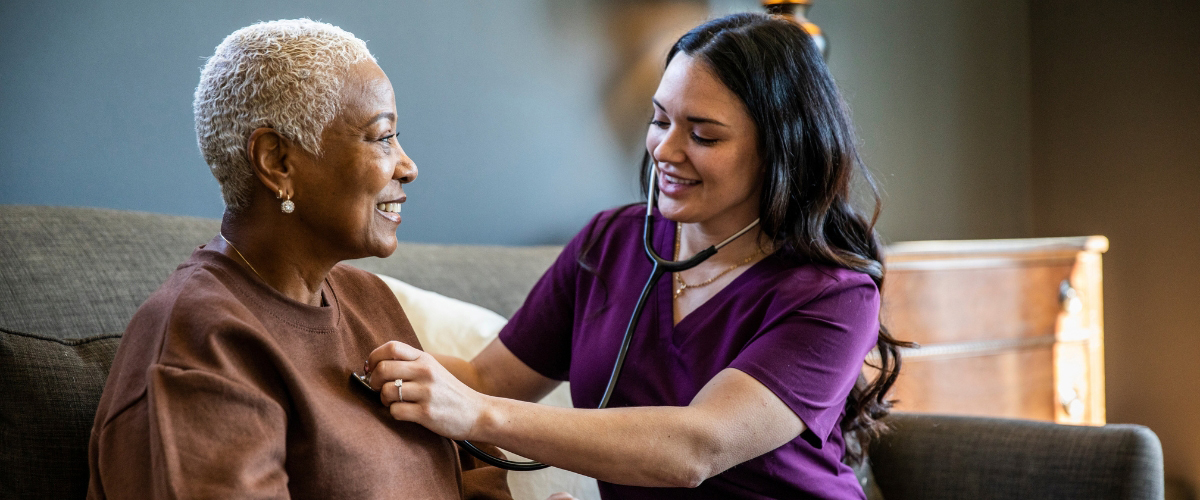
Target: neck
(276, 252)
(695, 237)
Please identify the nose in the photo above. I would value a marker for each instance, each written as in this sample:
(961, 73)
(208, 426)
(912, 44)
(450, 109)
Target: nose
(669, 148)
(406, 169)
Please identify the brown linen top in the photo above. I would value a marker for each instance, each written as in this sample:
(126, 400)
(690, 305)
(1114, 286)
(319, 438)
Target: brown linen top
(224, 388)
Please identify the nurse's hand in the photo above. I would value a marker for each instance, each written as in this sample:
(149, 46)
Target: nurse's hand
(428, 394)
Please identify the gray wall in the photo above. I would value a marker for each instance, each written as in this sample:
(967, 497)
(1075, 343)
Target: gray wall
(504, 106)
(1116, 151)
(940, 92)
(498, 108)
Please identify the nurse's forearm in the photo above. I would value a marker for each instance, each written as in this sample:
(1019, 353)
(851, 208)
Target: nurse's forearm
(529, 387)
(463, 370)
(733, 418)
(643, 446)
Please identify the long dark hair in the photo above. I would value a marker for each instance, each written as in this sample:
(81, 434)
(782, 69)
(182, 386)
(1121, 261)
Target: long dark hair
(809, 162)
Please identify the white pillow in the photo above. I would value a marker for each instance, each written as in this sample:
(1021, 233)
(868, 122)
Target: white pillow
(450, 326)
(445, 325)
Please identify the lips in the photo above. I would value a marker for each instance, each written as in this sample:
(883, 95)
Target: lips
(390, 210)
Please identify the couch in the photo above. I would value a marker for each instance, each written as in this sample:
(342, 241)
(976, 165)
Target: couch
(70, 279)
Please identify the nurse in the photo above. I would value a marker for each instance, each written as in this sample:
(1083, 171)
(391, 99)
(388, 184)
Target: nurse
(743, 379)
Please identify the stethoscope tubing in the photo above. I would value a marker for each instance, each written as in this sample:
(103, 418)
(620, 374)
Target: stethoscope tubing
(660, 267)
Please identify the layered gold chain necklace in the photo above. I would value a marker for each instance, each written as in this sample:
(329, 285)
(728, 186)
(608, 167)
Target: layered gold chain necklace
(682, 286)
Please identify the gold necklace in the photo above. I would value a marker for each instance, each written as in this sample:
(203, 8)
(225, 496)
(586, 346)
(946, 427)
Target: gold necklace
(682, 286)
(243, 257)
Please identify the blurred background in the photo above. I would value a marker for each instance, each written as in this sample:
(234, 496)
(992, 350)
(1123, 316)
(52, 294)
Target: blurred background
(980, 119)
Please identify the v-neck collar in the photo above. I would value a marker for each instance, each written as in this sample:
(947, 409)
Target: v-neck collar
(664, 243)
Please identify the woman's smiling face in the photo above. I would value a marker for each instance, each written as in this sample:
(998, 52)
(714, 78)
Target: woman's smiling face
(706, 147)
(349, 197)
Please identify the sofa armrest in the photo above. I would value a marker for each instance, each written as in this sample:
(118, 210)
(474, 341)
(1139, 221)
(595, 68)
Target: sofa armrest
(940, 456)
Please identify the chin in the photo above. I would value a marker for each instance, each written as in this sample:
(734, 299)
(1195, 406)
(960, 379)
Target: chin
(673, 211)
(385, 248)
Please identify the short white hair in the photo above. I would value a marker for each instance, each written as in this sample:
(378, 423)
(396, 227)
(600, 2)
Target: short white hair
(286, 75)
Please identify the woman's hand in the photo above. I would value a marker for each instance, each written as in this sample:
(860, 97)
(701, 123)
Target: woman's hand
(428, 395)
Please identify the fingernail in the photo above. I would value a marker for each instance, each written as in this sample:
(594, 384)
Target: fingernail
(366, 367)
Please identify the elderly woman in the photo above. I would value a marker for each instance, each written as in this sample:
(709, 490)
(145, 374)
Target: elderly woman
(232, 379)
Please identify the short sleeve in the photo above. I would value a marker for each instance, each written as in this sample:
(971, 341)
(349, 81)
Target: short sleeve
(539, 333)
(812, 357)
(214, 438)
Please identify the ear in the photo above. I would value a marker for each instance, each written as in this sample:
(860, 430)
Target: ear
(267, 150)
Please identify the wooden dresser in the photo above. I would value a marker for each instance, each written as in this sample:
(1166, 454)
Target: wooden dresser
(1007, 328)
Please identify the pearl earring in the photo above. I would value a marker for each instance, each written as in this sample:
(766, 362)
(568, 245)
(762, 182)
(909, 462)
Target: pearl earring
(287, 206)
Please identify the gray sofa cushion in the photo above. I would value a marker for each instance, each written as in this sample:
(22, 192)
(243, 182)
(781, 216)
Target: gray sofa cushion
(933, 457)
(75, 272)
(48, 399)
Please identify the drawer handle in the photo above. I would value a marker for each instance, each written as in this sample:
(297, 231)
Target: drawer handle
(1072, 404)
(1069, 298)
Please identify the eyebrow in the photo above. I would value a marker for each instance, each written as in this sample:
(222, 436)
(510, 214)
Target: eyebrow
(386, 115)
(693, 119)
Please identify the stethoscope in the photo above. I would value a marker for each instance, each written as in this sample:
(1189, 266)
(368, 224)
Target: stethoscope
(660, 267)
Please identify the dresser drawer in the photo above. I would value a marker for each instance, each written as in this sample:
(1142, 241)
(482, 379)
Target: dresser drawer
(1007, 328)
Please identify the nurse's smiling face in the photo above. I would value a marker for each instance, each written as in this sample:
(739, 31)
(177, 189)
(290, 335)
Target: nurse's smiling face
(706, 147)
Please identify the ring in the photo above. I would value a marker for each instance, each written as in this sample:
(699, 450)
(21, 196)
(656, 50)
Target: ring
(399, 390)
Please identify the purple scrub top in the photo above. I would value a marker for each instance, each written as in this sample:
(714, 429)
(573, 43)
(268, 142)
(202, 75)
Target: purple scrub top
(802, 330)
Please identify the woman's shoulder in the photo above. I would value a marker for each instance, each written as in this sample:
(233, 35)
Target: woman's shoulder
(804, 282)
(195, 310)
(836, 295)
(202, 297)
(210, 306)
(199, 284)
(619, 218)
(634, 212)
(614, 224)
